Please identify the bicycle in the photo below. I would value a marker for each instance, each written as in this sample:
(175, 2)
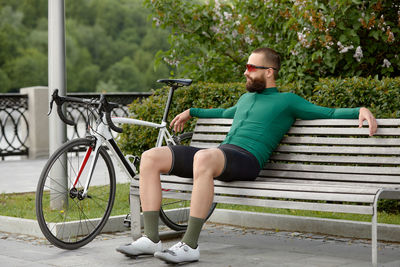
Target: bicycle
(76, 190)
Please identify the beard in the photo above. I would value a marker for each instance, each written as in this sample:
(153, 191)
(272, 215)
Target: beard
(256, 85)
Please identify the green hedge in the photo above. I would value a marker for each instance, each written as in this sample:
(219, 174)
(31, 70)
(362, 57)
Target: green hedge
(381, 96)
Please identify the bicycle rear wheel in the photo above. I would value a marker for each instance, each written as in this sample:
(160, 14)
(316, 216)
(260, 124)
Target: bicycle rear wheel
(175, 212)
(68, 219)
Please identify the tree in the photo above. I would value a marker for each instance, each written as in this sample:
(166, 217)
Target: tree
(102, 36)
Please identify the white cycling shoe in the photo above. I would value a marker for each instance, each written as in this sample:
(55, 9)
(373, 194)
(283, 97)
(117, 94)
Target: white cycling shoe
(142, 246)
(179, 253)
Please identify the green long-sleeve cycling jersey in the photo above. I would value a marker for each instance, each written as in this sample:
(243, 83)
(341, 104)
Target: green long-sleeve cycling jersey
(260, 120)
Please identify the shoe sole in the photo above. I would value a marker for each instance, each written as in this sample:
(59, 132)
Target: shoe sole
(131, 255)
(175, 262)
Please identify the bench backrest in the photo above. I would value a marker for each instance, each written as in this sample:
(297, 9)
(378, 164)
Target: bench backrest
(330, 151)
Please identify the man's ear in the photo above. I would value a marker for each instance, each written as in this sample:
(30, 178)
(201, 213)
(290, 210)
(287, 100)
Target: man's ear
(269, 73)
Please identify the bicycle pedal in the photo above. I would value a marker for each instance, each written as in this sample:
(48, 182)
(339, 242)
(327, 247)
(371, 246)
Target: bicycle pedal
(127, 220)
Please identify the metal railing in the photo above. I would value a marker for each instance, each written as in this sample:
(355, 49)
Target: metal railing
(15, 126)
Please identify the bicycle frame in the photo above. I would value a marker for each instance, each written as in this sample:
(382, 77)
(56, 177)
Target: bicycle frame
(103, 136)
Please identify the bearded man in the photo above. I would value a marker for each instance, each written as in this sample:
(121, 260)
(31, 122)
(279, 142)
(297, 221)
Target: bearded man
(261, 118)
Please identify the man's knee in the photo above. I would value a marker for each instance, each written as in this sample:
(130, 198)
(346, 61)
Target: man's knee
(155, 158)
(208, 161)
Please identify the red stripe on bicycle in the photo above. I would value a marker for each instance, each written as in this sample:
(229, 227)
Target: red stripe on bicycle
(88, 152)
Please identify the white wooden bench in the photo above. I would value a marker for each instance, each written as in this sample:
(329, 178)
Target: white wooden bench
(320, 165)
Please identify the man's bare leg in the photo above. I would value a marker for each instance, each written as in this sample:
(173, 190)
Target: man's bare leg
(207, 164)
(153, 162)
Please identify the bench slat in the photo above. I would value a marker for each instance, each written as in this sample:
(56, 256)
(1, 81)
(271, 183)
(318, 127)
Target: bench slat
(341, 141)
(366, 178)
(204, 144)
(211, 129)
(346, 122)
(350, 197)
(209, 121)
(343, 131)
(333, 169)
(265, 184)
(357, 209)
(340, 150)
(337, 159)
(208, 137)
(351, 184)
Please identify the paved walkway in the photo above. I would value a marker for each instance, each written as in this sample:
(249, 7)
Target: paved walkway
(220, 245)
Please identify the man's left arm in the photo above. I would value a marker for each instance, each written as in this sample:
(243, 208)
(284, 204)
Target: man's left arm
(305, 110)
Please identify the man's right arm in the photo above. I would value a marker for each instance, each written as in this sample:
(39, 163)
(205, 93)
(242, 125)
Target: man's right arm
(228, 113)
(179, 121)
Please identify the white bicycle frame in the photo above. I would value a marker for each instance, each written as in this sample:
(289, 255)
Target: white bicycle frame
(104, 136)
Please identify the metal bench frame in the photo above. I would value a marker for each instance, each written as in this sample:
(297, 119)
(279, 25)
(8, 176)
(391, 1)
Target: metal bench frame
(320, 165)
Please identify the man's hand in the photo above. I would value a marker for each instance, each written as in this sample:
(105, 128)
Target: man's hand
(365, 114)
(179, 121)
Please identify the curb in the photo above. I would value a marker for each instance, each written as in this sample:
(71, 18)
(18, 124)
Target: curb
(344, 228)
(15, 225)
(290, 223)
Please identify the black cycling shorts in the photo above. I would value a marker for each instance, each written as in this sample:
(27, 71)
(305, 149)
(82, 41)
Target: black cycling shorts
(240, 165)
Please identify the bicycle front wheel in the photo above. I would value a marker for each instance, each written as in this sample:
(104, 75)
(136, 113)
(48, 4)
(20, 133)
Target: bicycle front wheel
(175, 212)
(68, 218)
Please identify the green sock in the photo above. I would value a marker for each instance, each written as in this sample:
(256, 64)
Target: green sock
(150, 219)
(193, 231)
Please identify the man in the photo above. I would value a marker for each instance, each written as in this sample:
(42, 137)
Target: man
(261, 118)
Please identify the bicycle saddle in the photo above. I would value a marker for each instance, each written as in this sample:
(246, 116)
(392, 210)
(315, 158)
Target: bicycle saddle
(179, 82)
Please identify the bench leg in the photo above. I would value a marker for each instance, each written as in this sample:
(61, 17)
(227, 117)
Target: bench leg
(136, 225)
(374, 230)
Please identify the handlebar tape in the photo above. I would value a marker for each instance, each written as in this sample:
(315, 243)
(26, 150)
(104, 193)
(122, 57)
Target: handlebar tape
(62, 117)
(111, 124)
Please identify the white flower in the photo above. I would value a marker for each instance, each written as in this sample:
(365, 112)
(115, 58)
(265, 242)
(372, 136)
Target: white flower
(303, 39)
(294, 52)
(227, 15)
(386, 63)
(234, 33)
(343, 49)
(248, 40)
(358, 55)
(157, 21)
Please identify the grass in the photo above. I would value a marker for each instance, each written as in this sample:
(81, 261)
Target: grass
(22, 205)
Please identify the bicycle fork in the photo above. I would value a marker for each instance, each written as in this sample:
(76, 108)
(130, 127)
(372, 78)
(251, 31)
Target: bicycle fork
(83, 193)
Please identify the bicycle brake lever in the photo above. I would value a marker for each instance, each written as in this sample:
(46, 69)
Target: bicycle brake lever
(51, 107)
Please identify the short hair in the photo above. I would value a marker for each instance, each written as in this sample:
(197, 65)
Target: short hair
(271, 58)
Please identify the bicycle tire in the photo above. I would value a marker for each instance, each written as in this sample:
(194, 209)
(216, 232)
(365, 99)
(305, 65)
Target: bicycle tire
(175, 213)
(80, 219)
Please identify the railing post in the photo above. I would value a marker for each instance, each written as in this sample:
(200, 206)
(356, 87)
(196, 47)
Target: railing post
(57, 80)
(38, 138)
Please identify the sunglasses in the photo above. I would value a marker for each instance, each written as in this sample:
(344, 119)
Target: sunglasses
(251, 67)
